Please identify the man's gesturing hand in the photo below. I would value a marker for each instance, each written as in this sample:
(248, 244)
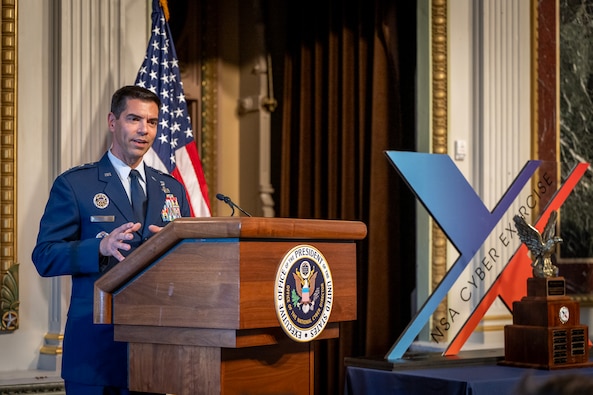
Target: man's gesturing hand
(117, 240)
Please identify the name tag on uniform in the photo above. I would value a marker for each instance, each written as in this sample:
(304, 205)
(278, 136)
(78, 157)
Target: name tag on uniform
(102, 218)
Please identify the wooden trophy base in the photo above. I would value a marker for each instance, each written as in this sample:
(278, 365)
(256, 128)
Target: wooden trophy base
(546, 332)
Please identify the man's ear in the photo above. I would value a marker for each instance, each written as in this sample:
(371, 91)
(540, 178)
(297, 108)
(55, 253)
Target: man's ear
(111, 121)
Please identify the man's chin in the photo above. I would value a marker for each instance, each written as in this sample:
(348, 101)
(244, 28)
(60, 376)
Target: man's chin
(141, 150)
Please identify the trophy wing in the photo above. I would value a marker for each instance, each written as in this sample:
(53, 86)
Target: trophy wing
(529, 235)
(550, 228)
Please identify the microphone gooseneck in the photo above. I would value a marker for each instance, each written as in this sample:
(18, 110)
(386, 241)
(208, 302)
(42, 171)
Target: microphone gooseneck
(228, 201)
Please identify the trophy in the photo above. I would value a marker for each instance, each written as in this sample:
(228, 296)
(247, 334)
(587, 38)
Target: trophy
(546, 332)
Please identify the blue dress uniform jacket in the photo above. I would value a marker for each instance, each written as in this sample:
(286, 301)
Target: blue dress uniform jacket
(85, 204)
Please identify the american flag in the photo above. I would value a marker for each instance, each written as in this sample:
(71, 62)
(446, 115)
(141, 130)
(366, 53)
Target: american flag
(174, 150)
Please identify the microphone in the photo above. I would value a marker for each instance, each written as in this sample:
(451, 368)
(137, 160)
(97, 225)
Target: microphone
(228, 201)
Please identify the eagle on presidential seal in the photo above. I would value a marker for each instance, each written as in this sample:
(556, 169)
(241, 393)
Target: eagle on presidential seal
(304, 279)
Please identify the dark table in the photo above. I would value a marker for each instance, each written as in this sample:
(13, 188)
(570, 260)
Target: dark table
(476, 373)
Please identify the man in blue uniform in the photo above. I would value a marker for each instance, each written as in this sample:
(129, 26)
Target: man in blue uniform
(89, 225)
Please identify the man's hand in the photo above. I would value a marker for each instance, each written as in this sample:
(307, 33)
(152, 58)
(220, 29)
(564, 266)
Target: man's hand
(154, 228)
(117, 240)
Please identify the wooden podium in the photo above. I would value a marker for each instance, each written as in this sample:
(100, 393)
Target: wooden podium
(196, 304)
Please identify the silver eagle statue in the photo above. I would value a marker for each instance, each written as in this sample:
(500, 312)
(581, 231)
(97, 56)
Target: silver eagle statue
(542, 246)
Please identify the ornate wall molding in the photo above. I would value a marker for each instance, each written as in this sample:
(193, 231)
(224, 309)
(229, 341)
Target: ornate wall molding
(439, 138)
(9, 303)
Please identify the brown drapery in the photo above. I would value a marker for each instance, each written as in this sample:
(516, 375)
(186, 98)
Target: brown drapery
(344, 76)
(347, 96)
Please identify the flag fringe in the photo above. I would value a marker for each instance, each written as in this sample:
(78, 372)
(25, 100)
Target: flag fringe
(165, 9)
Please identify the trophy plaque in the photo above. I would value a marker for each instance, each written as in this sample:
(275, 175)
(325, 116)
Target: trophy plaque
(546, 332)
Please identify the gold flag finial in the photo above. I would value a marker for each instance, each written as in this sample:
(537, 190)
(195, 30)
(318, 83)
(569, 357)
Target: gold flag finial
(165, 9)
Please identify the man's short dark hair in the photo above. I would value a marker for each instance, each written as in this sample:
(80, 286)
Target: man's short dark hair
(119, 100)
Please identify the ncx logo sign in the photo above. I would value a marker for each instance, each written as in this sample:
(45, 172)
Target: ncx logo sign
(468, 224)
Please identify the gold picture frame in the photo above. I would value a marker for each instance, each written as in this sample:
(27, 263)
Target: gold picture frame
(439, 136)
(9, 303)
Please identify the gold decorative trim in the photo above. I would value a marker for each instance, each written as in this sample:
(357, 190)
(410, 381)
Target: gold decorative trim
(8, 199)
(209, 96)
(55, 386)
(493, 328)
(54, 336)
(498, 317)
(51, 350)
(439, 137)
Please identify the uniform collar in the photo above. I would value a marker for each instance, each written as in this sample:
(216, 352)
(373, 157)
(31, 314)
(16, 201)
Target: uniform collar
(123, 170)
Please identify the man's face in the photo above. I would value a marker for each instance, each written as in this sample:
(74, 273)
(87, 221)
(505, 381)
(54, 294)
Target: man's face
(134, 131)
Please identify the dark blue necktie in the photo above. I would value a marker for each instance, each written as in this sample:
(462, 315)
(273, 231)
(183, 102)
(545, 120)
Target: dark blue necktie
(138, 196)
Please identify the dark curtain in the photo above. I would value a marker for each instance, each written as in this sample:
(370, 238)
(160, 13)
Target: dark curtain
(344, 74)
